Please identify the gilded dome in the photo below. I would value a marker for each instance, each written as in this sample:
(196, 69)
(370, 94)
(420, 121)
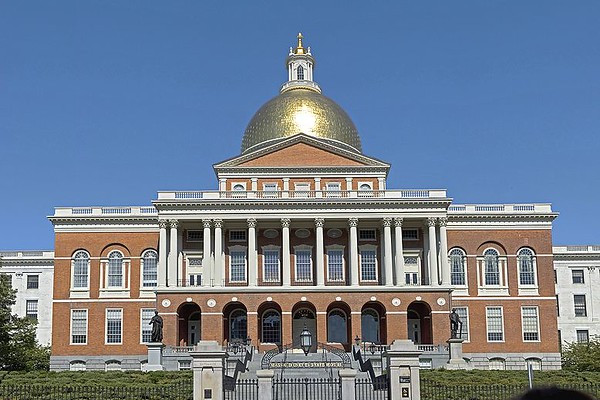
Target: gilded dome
(300, 110)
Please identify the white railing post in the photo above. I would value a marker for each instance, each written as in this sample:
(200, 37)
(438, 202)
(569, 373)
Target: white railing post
(265, 383)
(348, 377)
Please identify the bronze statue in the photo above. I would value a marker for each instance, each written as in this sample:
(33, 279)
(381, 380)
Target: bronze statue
(157, 327)
(455, 324)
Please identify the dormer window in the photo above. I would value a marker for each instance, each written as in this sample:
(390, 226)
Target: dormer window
(300, 73)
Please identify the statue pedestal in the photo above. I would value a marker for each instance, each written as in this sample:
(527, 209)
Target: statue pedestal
(155, 356)
(456, 360)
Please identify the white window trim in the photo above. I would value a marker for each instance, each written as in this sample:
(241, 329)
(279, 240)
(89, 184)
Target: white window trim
(87, 319)
(465, 269)
(577, 268)
(239, 249)
(531, 289)
(303, 247)
(87, 287)
(413, 268)
(142, 325)
(537, 314)
(142, 287)
(278, 250)
(106, 327)
(468, 331)
(487, 325)
(368, 247)
(126, 271)
(336, 247)
(492, 290)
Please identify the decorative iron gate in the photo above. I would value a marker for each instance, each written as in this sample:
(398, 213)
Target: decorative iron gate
(307, 389)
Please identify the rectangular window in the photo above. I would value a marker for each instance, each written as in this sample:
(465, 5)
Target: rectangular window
(270, 190)
(583, 336)
(577, 275)
(334, 189)
(149, 270)
(335, 265)
(531, 329)
(114, 326)
(184, 365)
(304, 265)
(412, 278)
(366, 234)
(195, 236)
(301, 189)
(31, 309)
(495, 324)
(580, 306)
(463, 313)
(238, 266)
(115, 272)
(410, 234)
(237, 236)
(79, 322)
(195, 279)
(271, 266)
(147, 314)
(368, 265)
(33, 281)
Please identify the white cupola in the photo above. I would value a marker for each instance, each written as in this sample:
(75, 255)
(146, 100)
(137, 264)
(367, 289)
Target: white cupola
(300, 65)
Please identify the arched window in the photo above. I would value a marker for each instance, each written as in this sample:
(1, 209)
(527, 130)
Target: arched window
(81, 270)
(526, 262)
(457, 267)
(238, 325)
(115, 269)
(337, 326)
(77, 365)
(536, 363)
(149, 268)
(300, 73)
(369, 325)
(271, 327)
(492, 270)
(112, 365)
(497, 364)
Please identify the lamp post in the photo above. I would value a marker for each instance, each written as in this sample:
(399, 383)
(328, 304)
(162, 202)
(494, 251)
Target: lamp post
(305, 340)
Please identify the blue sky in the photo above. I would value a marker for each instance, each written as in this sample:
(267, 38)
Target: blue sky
(108, 102)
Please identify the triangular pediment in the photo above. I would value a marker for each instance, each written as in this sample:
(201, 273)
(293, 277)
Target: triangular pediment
(301, 151)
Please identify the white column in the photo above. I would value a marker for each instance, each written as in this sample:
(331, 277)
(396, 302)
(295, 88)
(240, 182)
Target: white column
(207, 276)
(219, 268)
(162, 254)
(318, 192)
(353, 222)
(445, 267)
(173, 252)
(320, 253)
(348, 184)
(222, 184)
(433, 267)
(399, 262)
(387, 248)
(254, 184)
(285, 252)
(252, 256)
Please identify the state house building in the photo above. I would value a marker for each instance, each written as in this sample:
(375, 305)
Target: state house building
(302, 230)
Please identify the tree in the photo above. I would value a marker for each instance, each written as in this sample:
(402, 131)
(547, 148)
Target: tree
(582, 356)
(19, 349)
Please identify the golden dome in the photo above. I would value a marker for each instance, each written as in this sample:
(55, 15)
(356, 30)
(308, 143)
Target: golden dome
(300, 110)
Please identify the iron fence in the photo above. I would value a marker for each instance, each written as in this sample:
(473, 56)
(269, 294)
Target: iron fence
(179, 391)
(435, 391)
(365, 390)
(245, 389)
(307, 389)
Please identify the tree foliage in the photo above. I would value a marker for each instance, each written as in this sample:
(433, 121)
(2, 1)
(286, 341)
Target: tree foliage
(582, 356)
(19, 349)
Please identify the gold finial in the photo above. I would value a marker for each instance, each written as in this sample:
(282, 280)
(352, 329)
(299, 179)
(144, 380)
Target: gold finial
(299, 48)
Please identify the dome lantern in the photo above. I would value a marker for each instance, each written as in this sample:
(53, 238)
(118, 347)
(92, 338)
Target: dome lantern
(300, 65)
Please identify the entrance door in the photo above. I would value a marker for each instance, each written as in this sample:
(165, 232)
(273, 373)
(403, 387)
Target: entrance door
(194, 329)
(304, 317)
(414, 330)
